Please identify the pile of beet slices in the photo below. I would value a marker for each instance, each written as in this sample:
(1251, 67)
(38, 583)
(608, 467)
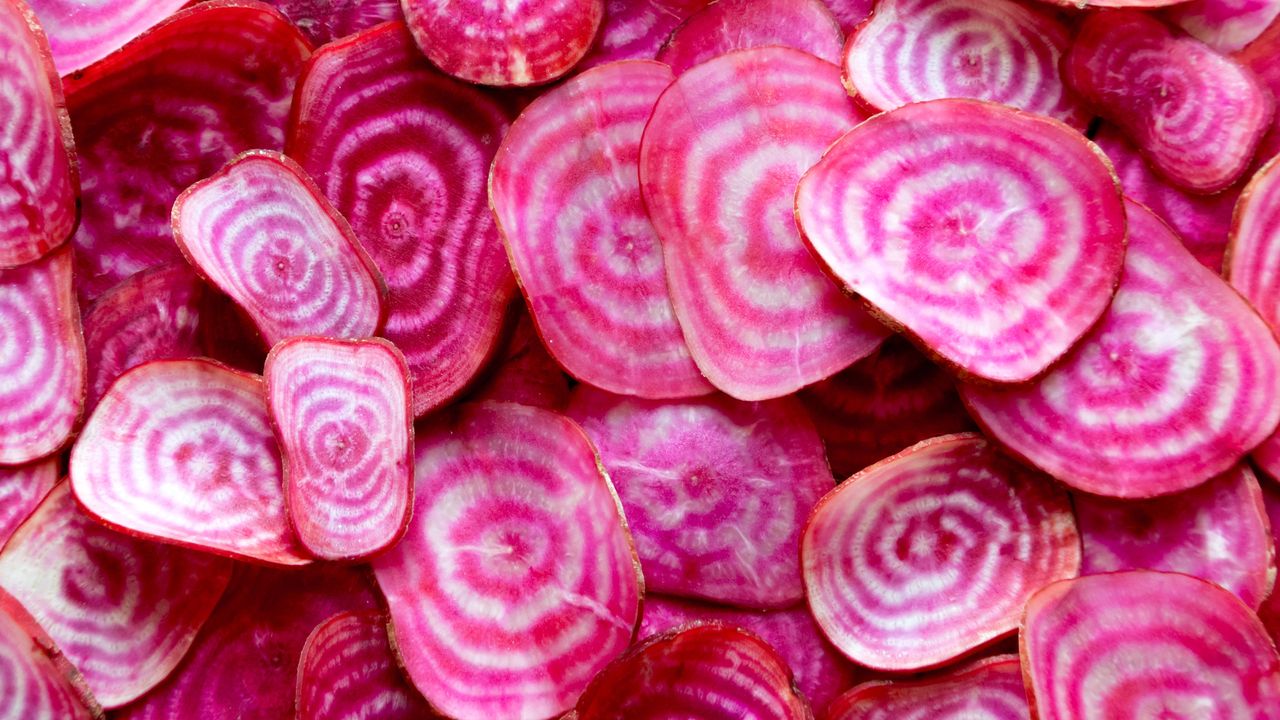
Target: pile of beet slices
(639, 359)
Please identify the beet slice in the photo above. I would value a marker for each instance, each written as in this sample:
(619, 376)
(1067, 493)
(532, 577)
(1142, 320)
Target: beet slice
(565, 191)
(82, 32)
(637, 29)
(930, 554)
(718, 165)
(1270, 609)
(324, 21)
(165, 111)
(924, 211)
(1225, 25)
(341, 413)
(22, 487)
(348, 670)
(716, 490)
(525, 372)
(990, 688)
(728, 25)
(850, 13)
(182, 451)
(36, 681)
(403, 152)
(124, 611)
(1138, 643)
(517, 581)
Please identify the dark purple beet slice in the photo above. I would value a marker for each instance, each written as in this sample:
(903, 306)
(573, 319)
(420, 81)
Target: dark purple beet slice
(728, 25)
(324, 21)
(1225, 25)
(524, 371)
(36, 681)
(636, 29)
(82, 32)
(1270, 610)
(990, 689)
(22, 487)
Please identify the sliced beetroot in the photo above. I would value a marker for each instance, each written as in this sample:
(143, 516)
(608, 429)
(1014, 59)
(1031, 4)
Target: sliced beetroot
(850, 13)
(930, 554)
(565, 191)
(124, 611)
(403, 152)
(525, 372)
(342, 416)
(1225, 25)
(82, 32)
(324, 21)
(165, 111)
(36, 681)
(927, 213)
(517, 581)
(1196, 115)
(990, 688)
(728, 25)
(1270, 609)
(718, 166)
(182, 451)
(716, 490)
(348, 670)
(22, 487)
(637, 29)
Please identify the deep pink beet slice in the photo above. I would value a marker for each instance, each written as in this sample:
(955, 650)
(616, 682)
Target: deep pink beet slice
(324, 21)
(81, 32)
(524, 372)
(341, 413)
(588, 259)
(1225, 25)
(716, 490)
(517, 581)
(728, 25)
(930, 554)
(850, 13)
(348, 670)
(1171, 388)
(637, 29)
(718, 166)
(166, 110)
(36, 681)
(990, 688)
(182, 451)
(22, 487)
(1270, 609)
(925, 212)
(403, 152)
(124, 611)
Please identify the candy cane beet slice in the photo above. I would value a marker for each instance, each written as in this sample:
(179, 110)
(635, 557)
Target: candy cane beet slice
(931, 553)
(36, 681)
(82, 32)
(182, 451)
(718, 165)
(992, 236)
(22, 487)
(341, 413)
(990, 688)
(517, 581)
(565, 191)
(324, 21)
(728, 25)
(637, 29)
(1225, 25)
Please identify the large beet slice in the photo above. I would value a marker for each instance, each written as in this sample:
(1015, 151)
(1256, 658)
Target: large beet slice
(932, 553)
(165, 111)
(1225, 25)
(182, 451)
(566, 193)
(524, 371)
(517, 581)
(1146, 644)
(324, 21)
(716, 490)
(22, 487)
(728, 25)
(36, 681)
(1172, 387)
(403, 152)
(994, 237)
(637, 29)
(718, 166)
(990, 688)
(124, 611)
(348, 671)
(82, 32)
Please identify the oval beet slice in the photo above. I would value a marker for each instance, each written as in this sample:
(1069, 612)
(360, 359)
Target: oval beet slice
(324, 21)
(566, 194)
(22, 487)
(718, 165)
(403, 152)
(36, 681)
(990, 688)
(341, 413)
(517, 581)
(728, 25)
(931, 553)
(348, 671)
(926, 212)
(524, 372)
(715, 490)
(1171, 388)
(1225, 25)
(1138, 643)
(637, 29)
(182, 451)
(164, 111)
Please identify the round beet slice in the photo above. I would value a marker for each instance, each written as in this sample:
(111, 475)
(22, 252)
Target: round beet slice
(324, 21)
(1146, 644)
(930, 554)
(524, 372)
(81, 32)
(348, 671)
(1225, 25)
(341, 413)
(637, 29)
(182, 451)
(990, 688)
(718, 166)
(22, 487)
(1172, 387)
(517, 581)
(565, 191)
(36, 681)
(728, 25)
(992, 236)
(716, 490)
(123, 610)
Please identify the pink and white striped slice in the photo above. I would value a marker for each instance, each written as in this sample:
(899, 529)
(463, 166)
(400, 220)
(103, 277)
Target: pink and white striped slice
(637, 29)
(524, 372)
(36, 681)
(82, 32)
(324, 21)
(990, 689)
(1225, 25)
(727, 25)
(22, 487)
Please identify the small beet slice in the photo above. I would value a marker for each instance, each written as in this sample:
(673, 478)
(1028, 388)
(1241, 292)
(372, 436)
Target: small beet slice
(82, 32)
(926, 212)
(124, 611)
(182, 451)
(22, 487)
(1146, 644)
(565, 191)
(525, 372)
(1225, 25)
(716, 490)
(990, 688)
(930, 554)
(341, 413)
(728, 25)
(637, 29)
(36, 681)
(324, 21)
(517, 581)
(1270, 609)
(718, 166)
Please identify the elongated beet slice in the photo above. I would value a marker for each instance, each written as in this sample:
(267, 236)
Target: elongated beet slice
(715, 490)
(988, 688)
(926, 212)
(517, 581)
(931, 553)
(182, 451)
(164, 111)
(22, 487)
(728, 25)
(524, 372)
(637, 29)
(348, 670)
(1225, 25)
(718, 165)
(403, 152)
(81, 32)
(124, 611)
(36, 681)
(565, 191)
(324, 21)
(1270, 609)
(341, 413)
